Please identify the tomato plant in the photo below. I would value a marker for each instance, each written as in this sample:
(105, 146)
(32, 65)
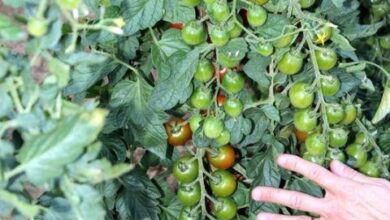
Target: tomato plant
(189, 195)
(233, 107)
(257, 16)
(222, 158)
(225, 208)
(212, 127)
(178, 131)
(290, 63)
(316, 144)
(233, 82)
(204, 71)
(223, 183)
(193, 33)
(300, 95)
(305, 120)
(185, 169)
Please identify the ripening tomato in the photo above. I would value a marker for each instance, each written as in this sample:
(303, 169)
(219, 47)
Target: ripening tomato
(306, 3)
(37, 27)
(233, 82)
(224, 138)
(300, 135)
(338, 137)
(222, 157)
(178, 26)
(316, 144)
(204, 71)
(195, 122)
(334, 113)
(189, 194)
(330, 85)
(221, 99)
(323, 35)
(233, 107)
(185, 169)
(326, 58)
(357, 155)
(201, 98)
(285, 39)
(191, 3)
(370, 168)
(264, 48)
(290, 63)
(219, 36)
(189, 213)
(305, 120)
(225, 209)
(223, 183)
(301, 95)
(212, 127)
(220, 10)
(257, 16)
(178, 131)
(350, 114)
(193, 33)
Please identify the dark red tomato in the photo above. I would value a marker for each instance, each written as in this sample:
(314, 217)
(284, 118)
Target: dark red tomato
(300, 135)
(178, 26)
(222, 158)
(225, 209)
(178, 131)
(185, 169)
(223, 183)
(189, 194)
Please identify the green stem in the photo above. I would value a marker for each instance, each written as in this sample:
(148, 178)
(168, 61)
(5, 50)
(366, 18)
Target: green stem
(17, 170)
(41, 9)
(155, 40)
(118, 61)
(199, 155)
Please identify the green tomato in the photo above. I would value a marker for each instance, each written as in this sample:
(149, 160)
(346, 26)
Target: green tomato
(320, 160)
(260, 2)
(212, 127)
(220, 10)
(335, 154)
(191, 3)
(209, 2)
(350, 114)
(384, 42)
(204, 71)
(233, 29)
(357, 155)
(326, 58)
(334, 113)
(188, 213)
(284, 40)
(361, 138)
(195, 122)
(323, 35)
(233, 107)
(201, 98)
(300, 95)
(380, 10)
(330, 85)
(225, 209)
(316, 144)
(290, 63)
(219, 36)
(233, 82)
(370, 168)
(224, 138)
(305, 120)
(185, 169)
(37, 27)
(257, 16)
(193, 33)
(69, 4)
(228, 61)
(189, 194)
(264, 49)
(306, 3)
(223, 183)
(338, 137)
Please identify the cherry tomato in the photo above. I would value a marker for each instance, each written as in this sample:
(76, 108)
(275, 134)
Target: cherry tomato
(338, 137)
(204, 71)
(260, 2)
(178, 131)
(225, 209)
(37, 27)
(222, 158)
(220, 10)
(316, 144)
(187, 213)
(193, 33)
(189, 194)
(357, 155)
(305, 120)
(323, 35)
(233, 82)
(228, 60)
(224, 138)
(257, 16)
(69, 4)
(306, 3)
(221, 99)
(385, 42)
(264, 48)
(219, 36)
(178, 26)
(201, 98)
(334, 113)
(191, 3)
(350, 114)
(195, 122)
(300, 95)
(330, 85)
(361, 138)
(284, 40)
(336, 154)
(233, 107)
(370, 168)
(233, 29)
(223, 184)
(300, 135)
(291, 63)
(320, 160)
(326, 58)
(212, 127)
(380, 10)
(209, 1)
(185, 169)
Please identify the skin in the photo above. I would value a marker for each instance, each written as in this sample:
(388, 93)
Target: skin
(349, 194)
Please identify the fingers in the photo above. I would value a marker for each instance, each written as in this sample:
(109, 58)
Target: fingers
(271, 216)
(344, 171)
(295, 200)
(312, 171)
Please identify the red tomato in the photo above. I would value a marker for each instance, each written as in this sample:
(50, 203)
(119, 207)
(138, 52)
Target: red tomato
(178, 26)
(178, 132)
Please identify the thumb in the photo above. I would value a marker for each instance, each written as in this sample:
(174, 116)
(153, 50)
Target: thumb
(344, 171)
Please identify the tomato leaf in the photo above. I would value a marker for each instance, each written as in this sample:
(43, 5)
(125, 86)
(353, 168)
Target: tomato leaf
(384, 106)
(176, 12)
(9, 31)
(25, 208)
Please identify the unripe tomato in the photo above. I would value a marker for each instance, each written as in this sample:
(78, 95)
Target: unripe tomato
(223, 184)
(189, 194)
(233, 29)
(204, 71)
(201, 98)
(178, 131)
(291, 63)
(225, 209)
(228, 61)
(316, 144)
(185, 169)
(320, 160)
(326, 58)
(285, 39)
(300, 95)
(191, 3)
(195, 122)
(222, 158)
(300, 135)
(334, 113)
(357, 155)
(380, 10)
(306, 3)
(338, 137)
(224, 138)
(187, 213)
(305, 120)
(335, 154)
(330, 85)
(370, 168)
(193, 33)
(361, 138)
(385, 42)
(219, 36)
(350, 114)
(257, 16)
(69, 4)
(264, 48)
(212, 127)
(208, 2)
(220, 10)
(233, 82)
(37, 27)
(260, 2)
(233, 107)
(323, 35)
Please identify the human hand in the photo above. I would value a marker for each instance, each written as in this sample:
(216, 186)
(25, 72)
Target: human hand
(349, 194)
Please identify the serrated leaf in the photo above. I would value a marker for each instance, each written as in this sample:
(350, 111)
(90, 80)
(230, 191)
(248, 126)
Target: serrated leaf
(274, 26)
(256, 69)
(25, 208)
(384, 106)
(60, 70)
(177, 12)
(238, 127)
(271, 112)
(341, 42)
